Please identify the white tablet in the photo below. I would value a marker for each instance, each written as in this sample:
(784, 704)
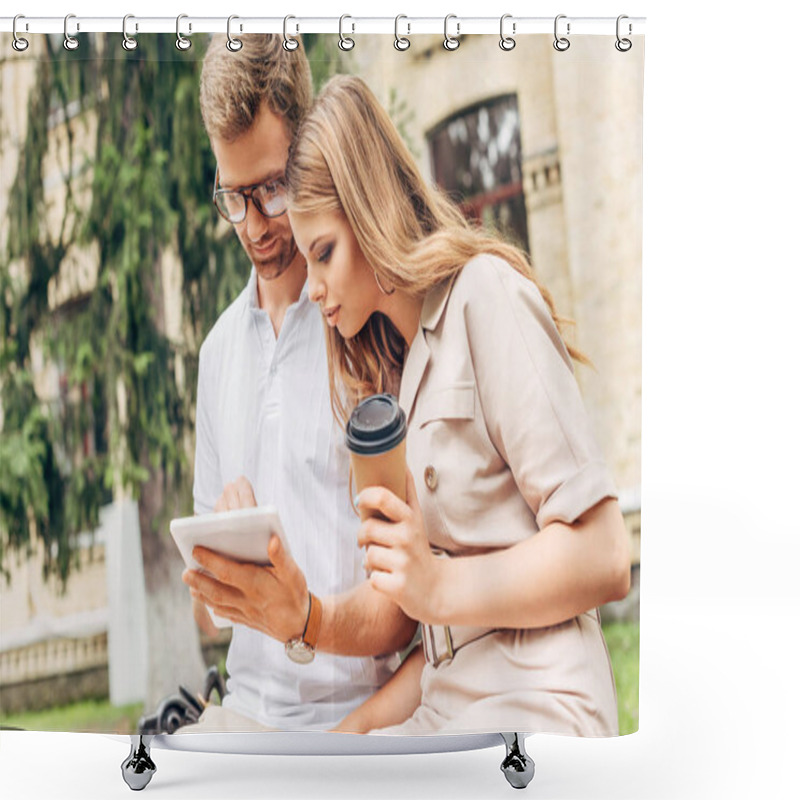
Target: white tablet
(242, 535)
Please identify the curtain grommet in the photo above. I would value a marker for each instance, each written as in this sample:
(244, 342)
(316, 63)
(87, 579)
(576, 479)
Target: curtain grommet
(128, 42)
(19, 44)
(451, 43)
(70, 42)
(181, 42)
(346, 43)
(561, 43)
(233, 45)
(401, 43)
(507, 43)
(289, 42)
(623, 44)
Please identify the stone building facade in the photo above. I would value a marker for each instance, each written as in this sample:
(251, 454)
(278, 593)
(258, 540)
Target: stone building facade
(62, 644)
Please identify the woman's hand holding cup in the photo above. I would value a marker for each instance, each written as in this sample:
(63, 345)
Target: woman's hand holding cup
(397, 551)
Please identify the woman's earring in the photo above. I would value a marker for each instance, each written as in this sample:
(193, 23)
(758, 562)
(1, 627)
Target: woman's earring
(378, 281)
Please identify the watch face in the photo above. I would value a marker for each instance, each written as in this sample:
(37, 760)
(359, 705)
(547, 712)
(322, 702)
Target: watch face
(299, 651)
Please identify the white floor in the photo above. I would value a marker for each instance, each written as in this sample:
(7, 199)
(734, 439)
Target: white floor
(718, 719)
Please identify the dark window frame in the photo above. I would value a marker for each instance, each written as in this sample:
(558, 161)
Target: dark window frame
(475, 206)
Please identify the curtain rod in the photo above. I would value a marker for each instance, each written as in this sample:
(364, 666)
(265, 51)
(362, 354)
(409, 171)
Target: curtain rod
(454, 25)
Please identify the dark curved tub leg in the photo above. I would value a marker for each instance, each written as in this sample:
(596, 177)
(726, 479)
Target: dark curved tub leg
(138, 768)
(517, 766)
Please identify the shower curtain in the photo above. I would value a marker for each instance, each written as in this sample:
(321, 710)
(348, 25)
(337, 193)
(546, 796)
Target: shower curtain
(115, 267)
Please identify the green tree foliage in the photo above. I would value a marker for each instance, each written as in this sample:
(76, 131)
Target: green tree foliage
(129, 387)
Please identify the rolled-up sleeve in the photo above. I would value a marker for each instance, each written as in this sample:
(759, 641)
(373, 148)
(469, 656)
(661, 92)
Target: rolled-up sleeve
(530, 398)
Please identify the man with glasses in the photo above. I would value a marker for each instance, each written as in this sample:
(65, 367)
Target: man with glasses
(266, 434)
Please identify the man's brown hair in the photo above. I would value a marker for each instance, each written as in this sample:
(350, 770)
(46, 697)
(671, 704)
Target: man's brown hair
(234, 85)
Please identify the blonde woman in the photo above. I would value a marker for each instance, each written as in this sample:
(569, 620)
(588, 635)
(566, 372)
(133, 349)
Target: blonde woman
(512, 535)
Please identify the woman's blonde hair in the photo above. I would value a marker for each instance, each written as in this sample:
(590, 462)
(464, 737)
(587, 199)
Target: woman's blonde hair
(348, 157)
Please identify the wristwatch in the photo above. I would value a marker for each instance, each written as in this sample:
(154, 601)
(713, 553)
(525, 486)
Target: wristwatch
(301, 649)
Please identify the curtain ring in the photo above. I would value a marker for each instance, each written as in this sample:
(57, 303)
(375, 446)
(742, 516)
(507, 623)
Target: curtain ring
(507, 42)
(128, 42)
(70, 42)
(289, 42)
(19, 44)
(451, 42)
(561, 43)
(345, 42)
(234, 45)
(181, 42)
(623, 45)
(400, 42)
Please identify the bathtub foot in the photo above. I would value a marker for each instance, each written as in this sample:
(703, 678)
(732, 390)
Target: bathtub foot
(518, 766)
(138, 768)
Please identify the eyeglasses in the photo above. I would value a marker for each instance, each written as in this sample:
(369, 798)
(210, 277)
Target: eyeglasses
(269, 198)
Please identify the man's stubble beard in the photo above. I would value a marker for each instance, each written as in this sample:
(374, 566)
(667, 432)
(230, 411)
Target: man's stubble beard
(272, 268)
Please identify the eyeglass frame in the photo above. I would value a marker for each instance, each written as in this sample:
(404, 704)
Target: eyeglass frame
(247, 193)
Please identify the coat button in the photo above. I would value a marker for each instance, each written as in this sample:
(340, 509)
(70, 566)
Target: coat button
(431, 478)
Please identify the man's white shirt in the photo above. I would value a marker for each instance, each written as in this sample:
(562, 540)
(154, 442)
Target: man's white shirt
(263, 411)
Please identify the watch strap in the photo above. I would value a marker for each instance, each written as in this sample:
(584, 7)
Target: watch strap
(314, 621)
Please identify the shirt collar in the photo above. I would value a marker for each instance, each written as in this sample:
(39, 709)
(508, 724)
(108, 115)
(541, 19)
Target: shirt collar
(419, 352)
(434, 304)
(252, 292)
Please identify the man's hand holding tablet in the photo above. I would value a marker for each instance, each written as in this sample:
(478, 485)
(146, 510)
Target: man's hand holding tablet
(241, 536)
(262, 588)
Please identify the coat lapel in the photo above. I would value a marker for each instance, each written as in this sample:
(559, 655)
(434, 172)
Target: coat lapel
(419, 354)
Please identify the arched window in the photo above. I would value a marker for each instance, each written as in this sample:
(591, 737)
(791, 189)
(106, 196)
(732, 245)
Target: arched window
(476, 157)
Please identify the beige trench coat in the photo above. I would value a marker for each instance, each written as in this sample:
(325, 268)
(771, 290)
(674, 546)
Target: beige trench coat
(499, 445)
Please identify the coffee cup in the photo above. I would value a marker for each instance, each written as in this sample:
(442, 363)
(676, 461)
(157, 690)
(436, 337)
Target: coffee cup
(376, 438)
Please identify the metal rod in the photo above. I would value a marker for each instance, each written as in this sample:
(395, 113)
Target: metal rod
(417, 25)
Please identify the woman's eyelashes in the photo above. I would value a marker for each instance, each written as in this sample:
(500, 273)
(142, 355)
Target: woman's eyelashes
(325, 254)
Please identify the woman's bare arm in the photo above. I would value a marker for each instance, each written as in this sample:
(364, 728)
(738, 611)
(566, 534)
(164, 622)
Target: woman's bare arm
(554, 575)
(393, 703)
